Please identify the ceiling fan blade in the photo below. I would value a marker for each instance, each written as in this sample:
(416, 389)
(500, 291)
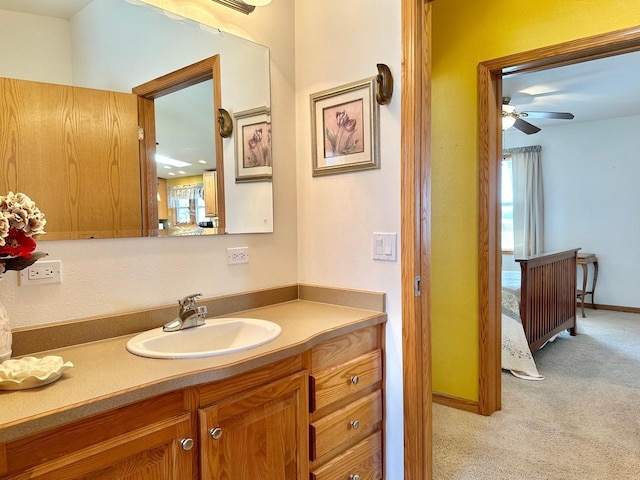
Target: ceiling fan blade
(558, 115)
(525, 127)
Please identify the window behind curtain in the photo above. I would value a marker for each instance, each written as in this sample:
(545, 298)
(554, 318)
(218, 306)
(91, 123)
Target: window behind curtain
(186, 204)
(185, 209)
(506, 200)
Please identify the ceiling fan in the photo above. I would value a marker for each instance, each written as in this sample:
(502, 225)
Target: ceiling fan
(512, 118)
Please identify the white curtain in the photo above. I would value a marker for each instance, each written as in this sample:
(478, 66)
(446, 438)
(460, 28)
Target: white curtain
(528, 202)
(190, 192)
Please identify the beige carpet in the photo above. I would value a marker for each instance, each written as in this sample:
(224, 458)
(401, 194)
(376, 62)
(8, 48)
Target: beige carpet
(581, 422)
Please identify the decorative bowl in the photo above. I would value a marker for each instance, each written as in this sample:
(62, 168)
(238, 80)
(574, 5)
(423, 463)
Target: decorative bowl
(31, 372)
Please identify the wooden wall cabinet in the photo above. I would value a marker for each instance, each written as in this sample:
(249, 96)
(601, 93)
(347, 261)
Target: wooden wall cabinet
(88, 140)
(163, 201)
(210, 184)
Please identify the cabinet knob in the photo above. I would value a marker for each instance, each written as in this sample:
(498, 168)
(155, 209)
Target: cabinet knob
(216, 433)
(354, 476)
(187, 444)
(355, 379)
(355, 424)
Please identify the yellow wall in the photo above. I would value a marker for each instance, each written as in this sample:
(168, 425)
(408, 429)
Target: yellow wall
(175, 182)
(467, 32)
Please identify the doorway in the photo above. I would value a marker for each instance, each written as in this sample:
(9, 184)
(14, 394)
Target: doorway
(490, 150)
(203, 73)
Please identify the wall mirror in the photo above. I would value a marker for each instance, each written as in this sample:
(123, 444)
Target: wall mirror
(115, 46)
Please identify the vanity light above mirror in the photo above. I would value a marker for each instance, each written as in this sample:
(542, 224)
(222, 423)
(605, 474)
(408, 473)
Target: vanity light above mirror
(246, 6)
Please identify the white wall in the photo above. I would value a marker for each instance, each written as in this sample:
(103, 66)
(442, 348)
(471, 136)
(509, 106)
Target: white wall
(46, 40)
(336, 43)
(592, 200)
(107, 276)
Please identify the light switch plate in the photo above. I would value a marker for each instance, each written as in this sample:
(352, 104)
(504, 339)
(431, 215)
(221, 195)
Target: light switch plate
(385, 246)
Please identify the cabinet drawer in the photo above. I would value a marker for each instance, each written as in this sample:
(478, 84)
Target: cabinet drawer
(364, 460)
(338, 382)
(346, 425)
(345, 347)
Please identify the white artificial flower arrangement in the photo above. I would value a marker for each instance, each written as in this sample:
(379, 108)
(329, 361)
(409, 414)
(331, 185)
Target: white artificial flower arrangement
(21, 222)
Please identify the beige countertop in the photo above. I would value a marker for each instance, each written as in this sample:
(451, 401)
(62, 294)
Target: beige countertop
(105, 375)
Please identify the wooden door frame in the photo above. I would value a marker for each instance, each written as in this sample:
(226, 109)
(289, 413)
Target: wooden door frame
(415, 235)
(490, 75)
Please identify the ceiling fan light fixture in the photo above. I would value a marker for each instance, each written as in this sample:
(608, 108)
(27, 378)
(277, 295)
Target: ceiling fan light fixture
(508, 122)
(509, 116)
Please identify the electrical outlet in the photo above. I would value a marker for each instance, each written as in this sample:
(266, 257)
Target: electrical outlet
(237, 255)
(41, 272)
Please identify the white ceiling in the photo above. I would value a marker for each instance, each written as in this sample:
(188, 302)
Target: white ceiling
(49, 8)
(594, 90)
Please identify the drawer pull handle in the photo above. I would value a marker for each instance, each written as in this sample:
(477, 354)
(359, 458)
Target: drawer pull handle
(355, 379)
(354, 476)
(355, 424)
(216, 433)
(187, 444)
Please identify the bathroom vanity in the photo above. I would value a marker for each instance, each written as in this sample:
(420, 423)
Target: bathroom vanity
(307, 405)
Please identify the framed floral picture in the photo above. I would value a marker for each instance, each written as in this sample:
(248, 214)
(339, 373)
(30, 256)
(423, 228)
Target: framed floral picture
(253, 145)
(344, 128)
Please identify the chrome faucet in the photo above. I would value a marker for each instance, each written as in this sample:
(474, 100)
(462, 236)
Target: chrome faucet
(189, 316)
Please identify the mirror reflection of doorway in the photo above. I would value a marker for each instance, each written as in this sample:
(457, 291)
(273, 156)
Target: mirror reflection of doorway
(186, 158)
(177, 112)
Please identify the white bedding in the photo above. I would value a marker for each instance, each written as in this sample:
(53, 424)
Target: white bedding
(516, 354)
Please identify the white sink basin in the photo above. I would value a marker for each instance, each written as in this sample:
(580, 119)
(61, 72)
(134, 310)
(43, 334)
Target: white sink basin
(218, 336)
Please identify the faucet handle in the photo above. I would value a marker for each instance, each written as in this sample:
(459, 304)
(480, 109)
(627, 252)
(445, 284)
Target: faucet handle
(189, 302)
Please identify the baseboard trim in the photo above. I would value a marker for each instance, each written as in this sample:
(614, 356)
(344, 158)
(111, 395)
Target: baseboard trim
(615, 308)
(456, 402)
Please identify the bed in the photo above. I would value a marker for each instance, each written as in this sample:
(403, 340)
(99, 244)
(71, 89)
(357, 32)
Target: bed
(547, 295)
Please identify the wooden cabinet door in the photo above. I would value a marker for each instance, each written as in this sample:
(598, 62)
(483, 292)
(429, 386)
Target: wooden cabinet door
(210, 181)
(151, 453)
(74, 151)
(260, 434)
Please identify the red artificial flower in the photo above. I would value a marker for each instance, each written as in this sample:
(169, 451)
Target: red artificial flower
(17, 244)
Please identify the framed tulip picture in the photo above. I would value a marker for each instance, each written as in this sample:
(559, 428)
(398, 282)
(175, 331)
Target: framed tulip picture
(344, 128)
(253, 145)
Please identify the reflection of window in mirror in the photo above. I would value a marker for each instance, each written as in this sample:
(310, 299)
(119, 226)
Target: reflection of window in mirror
(186, 202)
(189, 211)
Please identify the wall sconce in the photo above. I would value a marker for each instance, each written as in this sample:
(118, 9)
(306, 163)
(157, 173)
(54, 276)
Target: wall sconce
(384, 83)
(245, 7)
(225, 122)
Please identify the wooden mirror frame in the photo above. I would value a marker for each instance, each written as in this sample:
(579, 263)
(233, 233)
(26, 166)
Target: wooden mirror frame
(147, 92)
(490, 75)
